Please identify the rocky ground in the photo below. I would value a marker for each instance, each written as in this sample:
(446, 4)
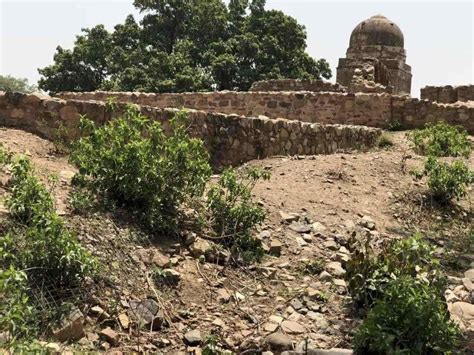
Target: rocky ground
(296, 297)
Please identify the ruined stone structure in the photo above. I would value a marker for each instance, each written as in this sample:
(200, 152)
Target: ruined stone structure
(230, 139)
(448, 94)
(375, 110)
(375, 55)
(314, 85)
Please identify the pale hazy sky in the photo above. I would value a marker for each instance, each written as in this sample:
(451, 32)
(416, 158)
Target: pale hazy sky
(438, 34)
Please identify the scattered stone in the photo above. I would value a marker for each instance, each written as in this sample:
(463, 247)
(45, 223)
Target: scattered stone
(160, 260)
(223, 296)
(190, 238)
(367, 222)
(270, 327)
(193, 337)
(340, 283)
(275, 319)
(296, 304)
(146, 314)
(278, 342)
(301, 242)
(219, 323)
(331, 245)
(292, 327)
(110, 336)
(463, 314)
(288, 217)
(171, 276)
(307, 238)
(124, 320)
(71, 327)
(299, 227)
(468, 284)
(275, 247)
(325, 276)
(266, 234)
(200, 247)
(318, 227)
(469, 274)
(335, 268)
(100, 313)
(239, 297)
(341, 257)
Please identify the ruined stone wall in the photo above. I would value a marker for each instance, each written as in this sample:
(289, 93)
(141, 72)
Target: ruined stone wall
(296, 85)
(374, 110)
(448, 94)
(230, 139)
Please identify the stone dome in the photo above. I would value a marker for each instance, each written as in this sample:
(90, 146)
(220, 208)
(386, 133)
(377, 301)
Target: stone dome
(377, 31)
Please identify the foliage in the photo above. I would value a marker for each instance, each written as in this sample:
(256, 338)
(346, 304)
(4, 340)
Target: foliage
(410, 318)
(173, 49)
(9, 83)
(313, 267)
(368, 274)
(16, 314)
(395, 126)
(131, 162)
(81, 200)
(37, 250)
(233, 213)
(385, 141)
(441, 140)
(446, 181)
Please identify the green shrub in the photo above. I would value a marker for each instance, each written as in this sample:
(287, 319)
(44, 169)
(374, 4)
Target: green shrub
(233, 214)
(446, 181)
(441, 140)
(16, 313)
(81, 200)
(410, 318)
(368, 273)
(40, 245)
(29, 198)
(395, 125)
(385, 141)
(130, 162)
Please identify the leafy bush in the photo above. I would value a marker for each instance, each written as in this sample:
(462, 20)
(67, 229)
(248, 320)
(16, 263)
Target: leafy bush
(131, 162)
(368, 274)
(233, 213)
(410, 318)
(441, 140)
(385, 141)
(42, 247)
(16, 313)
(81, 200)
(446, 181)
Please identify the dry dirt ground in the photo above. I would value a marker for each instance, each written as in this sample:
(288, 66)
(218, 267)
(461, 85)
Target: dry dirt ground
(331, 196)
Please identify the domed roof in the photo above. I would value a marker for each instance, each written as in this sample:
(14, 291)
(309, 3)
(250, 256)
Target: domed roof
(377, 31)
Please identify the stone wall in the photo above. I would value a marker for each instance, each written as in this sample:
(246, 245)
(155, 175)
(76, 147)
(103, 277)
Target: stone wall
(230, 139)
(374, 110)
(296, 85)
(448, 94)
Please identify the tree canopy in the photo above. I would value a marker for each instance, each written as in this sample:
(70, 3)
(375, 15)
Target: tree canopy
(10, 83)
(186, 45)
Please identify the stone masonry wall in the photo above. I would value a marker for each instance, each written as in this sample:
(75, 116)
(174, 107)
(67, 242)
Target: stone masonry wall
(368, 109)
(230, 139)
(296, 85)
(448, 94)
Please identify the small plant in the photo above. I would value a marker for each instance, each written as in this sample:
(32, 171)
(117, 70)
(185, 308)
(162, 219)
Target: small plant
(446, 181)
(81, 200)
(385, 141)
(312, 267)
(233, 214)
(410, 318)
(441, 140)
(130, 162)
(211, 346)
(395, 125)
(368, 273)
(42, 247)
(61, 140)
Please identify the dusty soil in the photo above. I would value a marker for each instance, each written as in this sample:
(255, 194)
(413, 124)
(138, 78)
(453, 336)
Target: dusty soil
(333, 191)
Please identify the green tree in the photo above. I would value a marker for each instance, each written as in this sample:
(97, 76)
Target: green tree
(186, 45)
(10, 83)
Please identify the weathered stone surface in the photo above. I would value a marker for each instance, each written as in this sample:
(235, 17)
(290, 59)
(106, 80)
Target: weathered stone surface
(110, 336)
(275, 247)
(193, 337)
(200, 247)
(335, 268)
(299, 227)
(279, 342)
(71, 327)
(146, 314)
(292, 327)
